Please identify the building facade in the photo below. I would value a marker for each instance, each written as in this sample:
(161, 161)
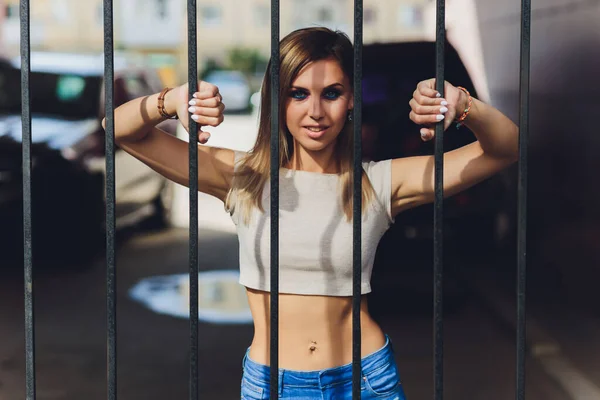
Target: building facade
(55, 25)
(159, 27)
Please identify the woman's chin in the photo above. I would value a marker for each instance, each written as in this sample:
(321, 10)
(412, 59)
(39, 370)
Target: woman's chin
(314, 145)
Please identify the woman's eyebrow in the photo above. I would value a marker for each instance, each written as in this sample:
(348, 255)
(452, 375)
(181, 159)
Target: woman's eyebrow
(337, 84)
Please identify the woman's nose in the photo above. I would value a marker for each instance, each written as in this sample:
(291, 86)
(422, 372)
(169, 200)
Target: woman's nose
(315, 110)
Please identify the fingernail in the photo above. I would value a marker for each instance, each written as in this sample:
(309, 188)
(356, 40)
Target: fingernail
(439, 117)
(194, 95)
(443, 110)
(192, 109)
(438, 94)
(192, 102)
(195, 117)
(444, 103)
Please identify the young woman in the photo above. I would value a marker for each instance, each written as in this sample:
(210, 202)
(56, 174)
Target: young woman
(315, 317)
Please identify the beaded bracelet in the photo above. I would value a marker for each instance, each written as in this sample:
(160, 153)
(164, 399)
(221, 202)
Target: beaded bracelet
(460, 120)
(161, 105)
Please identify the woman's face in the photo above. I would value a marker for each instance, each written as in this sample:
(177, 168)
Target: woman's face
(317, 104)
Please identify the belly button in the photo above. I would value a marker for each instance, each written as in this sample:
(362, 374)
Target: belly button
(313, 346)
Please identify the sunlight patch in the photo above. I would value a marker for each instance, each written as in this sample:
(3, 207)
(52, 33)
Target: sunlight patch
(221, 299)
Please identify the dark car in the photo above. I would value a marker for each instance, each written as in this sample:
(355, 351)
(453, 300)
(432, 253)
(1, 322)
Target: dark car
(68, 157)
(471, 218)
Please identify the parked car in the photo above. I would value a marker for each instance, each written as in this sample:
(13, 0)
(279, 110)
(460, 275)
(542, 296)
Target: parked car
(68, 156)
(472, 218)
(234, 87)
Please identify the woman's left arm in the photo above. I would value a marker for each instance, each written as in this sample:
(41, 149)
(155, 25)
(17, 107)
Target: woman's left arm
(496, 147)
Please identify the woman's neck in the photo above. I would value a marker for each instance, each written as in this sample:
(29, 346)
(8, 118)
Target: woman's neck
(323, 161)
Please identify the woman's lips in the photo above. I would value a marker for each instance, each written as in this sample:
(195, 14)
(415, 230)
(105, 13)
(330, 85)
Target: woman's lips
(314, 134)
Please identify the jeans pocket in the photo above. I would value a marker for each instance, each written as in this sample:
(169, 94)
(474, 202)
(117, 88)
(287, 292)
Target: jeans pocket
(383, 381)
(252, 391)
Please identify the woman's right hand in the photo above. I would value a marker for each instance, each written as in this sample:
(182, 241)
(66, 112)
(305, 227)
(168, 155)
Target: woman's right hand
(206, 107)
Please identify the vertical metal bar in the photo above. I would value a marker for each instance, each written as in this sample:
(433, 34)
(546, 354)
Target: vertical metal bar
(193, 185)
(27, 220)
(438, 214)
(357, 201)
(522, 193)
(274, 362)
(111, 276)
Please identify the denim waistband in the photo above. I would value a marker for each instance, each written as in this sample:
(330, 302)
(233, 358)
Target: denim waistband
(320, 378)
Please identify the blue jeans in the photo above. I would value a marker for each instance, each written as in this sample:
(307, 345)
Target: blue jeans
(380, 380)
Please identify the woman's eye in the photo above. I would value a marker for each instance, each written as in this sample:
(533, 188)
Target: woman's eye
(332, 94)
(298, 95)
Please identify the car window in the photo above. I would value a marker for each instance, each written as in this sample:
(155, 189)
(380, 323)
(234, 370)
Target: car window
(52, 94)
(10, 90)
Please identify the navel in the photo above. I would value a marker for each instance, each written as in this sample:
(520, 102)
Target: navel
(313, 346)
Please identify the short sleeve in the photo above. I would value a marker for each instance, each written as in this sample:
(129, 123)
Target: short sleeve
(380, 176)
(231, 195)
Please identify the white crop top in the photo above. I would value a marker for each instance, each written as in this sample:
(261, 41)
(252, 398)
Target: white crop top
(315, 238)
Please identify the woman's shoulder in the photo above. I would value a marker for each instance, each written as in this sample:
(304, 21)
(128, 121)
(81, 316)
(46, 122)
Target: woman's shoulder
(377, 168)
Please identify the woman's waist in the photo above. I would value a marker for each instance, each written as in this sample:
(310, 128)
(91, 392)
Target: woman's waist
(374, 353)
(314, 333)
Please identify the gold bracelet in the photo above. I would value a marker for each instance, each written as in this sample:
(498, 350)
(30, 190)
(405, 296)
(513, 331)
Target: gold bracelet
(161, 105)
(461, 119)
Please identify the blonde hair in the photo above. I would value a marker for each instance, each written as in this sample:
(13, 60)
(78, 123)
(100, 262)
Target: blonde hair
(297, 49)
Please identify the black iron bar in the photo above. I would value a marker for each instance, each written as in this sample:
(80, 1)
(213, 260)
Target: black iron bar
(27, 220)
(522, 193)
(111, 275)
(357, 201)
(438, 214)
(274, 281)
(193, 186)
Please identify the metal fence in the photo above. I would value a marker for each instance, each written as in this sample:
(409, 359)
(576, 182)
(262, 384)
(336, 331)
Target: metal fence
(111, 283)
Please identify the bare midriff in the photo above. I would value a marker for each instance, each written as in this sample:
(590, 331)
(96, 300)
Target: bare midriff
(315, 332)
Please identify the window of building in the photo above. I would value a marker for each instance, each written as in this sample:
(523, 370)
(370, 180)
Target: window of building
(211, 15)
(262, 16)
(100, 14)
(325, 15)
(12, 11)
(410, 16)
(161, 6)
(60, 10)
(369, 16)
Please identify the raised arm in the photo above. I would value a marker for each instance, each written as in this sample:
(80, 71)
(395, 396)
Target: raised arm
(137, 134)
(496, 147)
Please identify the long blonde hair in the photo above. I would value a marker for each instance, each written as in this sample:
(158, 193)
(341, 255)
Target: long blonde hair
(297, 49)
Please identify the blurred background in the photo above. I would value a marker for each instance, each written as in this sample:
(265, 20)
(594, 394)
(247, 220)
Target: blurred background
(482, 54)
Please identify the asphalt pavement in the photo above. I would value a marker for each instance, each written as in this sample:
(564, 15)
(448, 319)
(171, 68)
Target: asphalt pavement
(153, 348)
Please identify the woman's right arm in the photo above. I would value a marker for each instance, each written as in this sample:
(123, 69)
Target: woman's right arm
(137, 134)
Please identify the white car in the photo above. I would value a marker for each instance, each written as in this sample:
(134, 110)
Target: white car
(234, 87)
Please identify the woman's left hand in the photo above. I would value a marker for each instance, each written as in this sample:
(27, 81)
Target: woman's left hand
(428, 107)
